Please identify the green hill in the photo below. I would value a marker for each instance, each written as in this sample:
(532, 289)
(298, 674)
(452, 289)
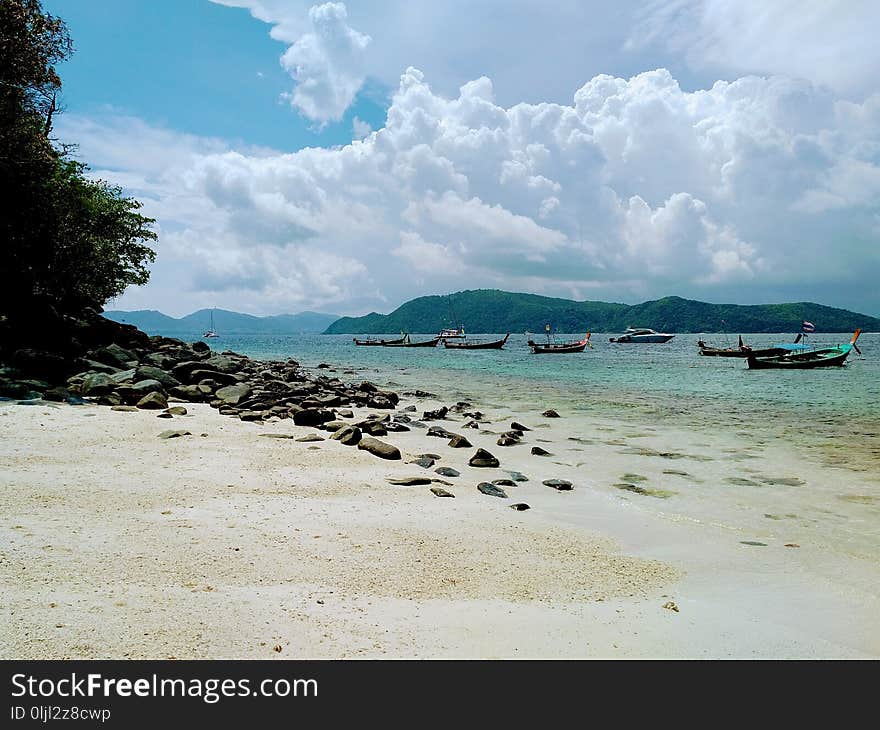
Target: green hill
(491, 310)
(225, 322)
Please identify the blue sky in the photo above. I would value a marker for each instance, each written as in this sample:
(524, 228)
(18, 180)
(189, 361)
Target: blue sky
(346, 157)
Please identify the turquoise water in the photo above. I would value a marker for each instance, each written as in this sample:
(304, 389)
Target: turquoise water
(670, 381)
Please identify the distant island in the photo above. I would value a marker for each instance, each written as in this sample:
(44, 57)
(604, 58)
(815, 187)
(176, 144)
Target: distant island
(225, 322)
(492, 310)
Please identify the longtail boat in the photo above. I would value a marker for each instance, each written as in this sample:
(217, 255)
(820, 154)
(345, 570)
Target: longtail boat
(376, 342)
(743, 350)
(409, 343)
(471, 345)
(807, 359)
(560, 347)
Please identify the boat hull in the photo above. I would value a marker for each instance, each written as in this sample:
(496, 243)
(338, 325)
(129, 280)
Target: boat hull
(376, 343)
(426, 343)
(497, 345)
(560, 348)
(635, 339)
(831, 357)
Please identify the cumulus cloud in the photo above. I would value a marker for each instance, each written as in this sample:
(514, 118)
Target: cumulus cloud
(825, 42)
(327, 64)
(635, 188)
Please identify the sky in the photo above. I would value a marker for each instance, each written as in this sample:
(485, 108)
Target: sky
(347, 157)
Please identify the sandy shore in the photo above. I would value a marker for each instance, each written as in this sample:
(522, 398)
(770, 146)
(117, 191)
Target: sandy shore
(115, 543)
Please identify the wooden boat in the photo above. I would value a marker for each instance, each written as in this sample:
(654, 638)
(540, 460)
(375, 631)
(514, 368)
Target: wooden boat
(807, 359)
(641, 334)
(377, 342)
(560, 347)
(409, 343)
(743, 350)
(466, 345)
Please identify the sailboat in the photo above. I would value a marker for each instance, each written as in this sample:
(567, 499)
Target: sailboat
(211, 332)
(451, 332)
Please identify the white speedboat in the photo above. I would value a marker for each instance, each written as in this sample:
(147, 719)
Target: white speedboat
(641, 334)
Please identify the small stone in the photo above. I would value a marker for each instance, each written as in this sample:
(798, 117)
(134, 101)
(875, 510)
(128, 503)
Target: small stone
(410, 481)
(563, 485)
(440, 492)
(308, 438)
(538, 451)
(520, 506)
(754, 542)
(483, 458)
(550, 413)
(518, 477)
(518, 427)
(280, 435)
(507, 441)
(425, 462)
(348, 435)
(173, 434)
(491, 490)
(459, 442)
(440, 432)
(792, 544)
(504, 482)
(670, 605)
(153, 401)
(123, 408)
(379, 448)
(164, 415)
(177, 411)
(447, 471)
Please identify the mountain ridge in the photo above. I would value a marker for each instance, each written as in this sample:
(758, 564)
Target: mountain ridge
(497, 311)
(226, 322)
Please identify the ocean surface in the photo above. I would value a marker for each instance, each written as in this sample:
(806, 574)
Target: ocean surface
(669, 382)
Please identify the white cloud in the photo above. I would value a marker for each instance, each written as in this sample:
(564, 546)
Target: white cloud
(825, 41)
(636, 188)
(360, 128)
(327, 64)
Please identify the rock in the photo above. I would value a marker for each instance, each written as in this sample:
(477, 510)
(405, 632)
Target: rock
(111, 399)
(380, 401)
(97, 384)
(190, 393)
(426, 462)
(471, 424)
(173, 434)
(348, 435)
(285, 436)
(507, 441)
(410, 481)
(504, 482)
(518, 477)
(562, 485)
(379, 448)
(518, 427)
(148, 372)
(177, 411)
(308, 438)
(251, 415)
(459, 442)
(200, 346)
(234, 394)
(440, 492)
(396, 427)
(345, 414)
(374, 428)
(311, 416)
(124, 376)
(483, 458)
(164, 414)
(550, 413)
(410, 409)
(42, 363)
(142, 387)
(491, 490)
(123, 408)
(114, 355)
(153, 401)
(58, 395)
(520, 506)
(670, 605)
(447, 471)
(438, 431)
(439, 414)
(332, 426)
(213, 377)
(538, 451)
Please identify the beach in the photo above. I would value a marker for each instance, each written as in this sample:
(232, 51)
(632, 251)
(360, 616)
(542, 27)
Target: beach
(239, 541)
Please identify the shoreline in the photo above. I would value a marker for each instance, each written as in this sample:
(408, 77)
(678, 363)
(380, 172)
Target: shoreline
(118, 528)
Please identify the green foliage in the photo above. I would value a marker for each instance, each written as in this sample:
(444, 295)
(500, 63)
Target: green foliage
(70, 241)
(490, 310)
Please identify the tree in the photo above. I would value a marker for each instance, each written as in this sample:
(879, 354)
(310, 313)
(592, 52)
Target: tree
(69, 241)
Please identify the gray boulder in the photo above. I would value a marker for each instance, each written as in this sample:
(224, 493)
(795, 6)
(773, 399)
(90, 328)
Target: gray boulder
(379, 448)
(153, 401)
(234, 394)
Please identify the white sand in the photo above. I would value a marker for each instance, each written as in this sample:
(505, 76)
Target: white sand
(117, 544)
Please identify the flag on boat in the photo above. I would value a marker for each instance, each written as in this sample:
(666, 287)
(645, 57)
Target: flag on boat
(807, 326)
